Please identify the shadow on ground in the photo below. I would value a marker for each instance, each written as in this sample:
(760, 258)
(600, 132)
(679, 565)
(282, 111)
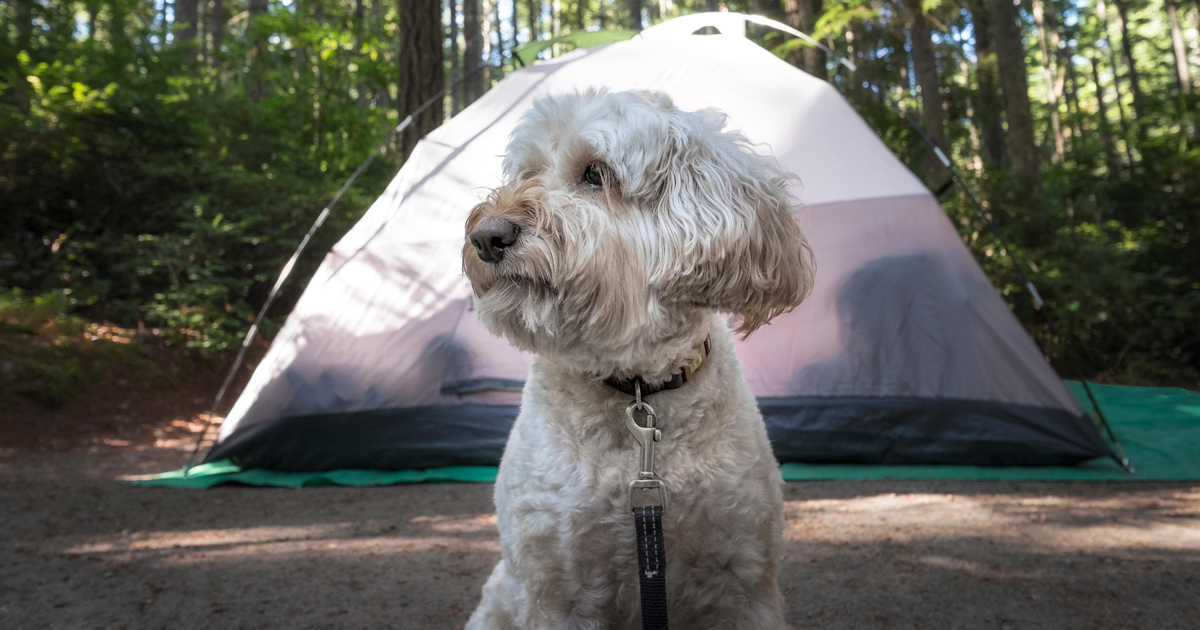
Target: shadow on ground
(82, 551)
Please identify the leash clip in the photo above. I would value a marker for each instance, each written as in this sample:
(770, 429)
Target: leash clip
(642, 491)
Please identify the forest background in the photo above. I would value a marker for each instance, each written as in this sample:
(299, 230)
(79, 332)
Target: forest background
(161, 159)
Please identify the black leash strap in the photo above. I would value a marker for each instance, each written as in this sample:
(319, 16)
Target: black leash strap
(647, 500)
(652, 565)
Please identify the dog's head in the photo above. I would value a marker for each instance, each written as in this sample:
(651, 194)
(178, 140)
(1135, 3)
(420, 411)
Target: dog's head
(624, 220)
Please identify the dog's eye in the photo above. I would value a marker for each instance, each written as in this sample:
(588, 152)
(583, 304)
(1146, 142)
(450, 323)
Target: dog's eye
(591, 176)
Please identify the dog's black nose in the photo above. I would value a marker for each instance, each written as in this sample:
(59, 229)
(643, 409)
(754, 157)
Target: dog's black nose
(493, 236)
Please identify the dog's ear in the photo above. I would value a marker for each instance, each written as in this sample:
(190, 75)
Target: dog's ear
(730, 211)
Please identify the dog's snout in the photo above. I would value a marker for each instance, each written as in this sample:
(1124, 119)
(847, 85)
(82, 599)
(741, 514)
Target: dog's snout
(493, 236)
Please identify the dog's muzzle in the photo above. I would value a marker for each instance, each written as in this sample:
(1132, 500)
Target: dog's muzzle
(492, 238)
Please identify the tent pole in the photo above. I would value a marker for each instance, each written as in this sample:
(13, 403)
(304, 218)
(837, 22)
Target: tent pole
(291, 263)
(1117, 451)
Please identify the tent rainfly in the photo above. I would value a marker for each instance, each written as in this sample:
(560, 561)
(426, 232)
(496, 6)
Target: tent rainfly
(903, 354)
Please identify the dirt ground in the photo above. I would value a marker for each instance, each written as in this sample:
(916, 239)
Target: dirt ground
(80, 550)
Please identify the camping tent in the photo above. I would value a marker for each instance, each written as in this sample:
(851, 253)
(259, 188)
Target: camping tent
(904, 353)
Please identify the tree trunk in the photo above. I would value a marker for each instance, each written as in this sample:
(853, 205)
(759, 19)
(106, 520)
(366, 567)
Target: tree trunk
(1102, 13)
(535, 12)
(24, 20)
(218, 30)
(205, 25)
(257, 50)
(988, 105)
(318, 121)
(21, 93)
(1022, 147)
(925, 68)
(976, 163)
(815, 57)
(516, 29)
(1106, 138)
(1193, 35)
(378, 15)
(383, 96)
(1139, 108)
(187, 18)
(455, 90)
(1078, 121)
(360, 15)
(499, 41)
(420, 69)
(1049, 76)
(93, 9)
(472, 51)
(802, 16)
(1182, 70)
(580, 7)
(635, 15)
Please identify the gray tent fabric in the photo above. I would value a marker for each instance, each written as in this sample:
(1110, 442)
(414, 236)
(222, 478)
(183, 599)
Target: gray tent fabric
(904, 353)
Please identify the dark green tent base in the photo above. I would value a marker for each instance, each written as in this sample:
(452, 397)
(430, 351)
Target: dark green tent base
(1159, 428)
(810, 430)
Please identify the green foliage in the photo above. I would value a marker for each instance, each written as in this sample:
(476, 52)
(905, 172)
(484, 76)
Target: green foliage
(161, 184)
(151, 188)
(1117, 265)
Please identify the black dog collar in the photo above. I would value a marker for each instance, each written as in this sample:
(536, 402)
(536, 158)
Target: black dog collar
(677, 380)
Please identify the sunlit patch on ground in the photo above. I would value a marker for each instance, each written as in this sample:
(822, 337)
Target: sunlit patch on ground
(82, 550)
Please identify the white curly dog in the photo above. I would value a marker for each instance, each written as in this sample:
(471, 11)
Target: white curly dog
(624, 227)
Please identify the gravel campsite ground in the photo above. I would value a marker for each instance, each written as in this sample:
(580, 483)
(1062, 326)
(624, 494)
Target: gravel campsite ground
(81, 550)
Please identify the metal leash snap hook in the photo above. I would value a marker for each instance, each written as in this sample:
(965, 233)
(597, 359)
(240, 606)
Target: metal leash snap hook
(647, 490)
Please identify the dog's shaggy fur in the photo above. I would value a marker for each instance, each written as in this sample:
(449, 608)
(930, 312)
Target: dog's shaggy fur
(639, 223)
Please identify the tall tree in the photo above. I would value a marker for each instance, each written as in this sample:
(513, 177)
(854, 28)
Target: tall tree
(972, 127)
(1106, 138)
(516, 29)
(455, 90)
(1022, 146)
(360, 17)
(24, 19)
(635, 15)
(580, 7)
(1179, 48)
(1102, 14)
(925, 67)
(1043, 16)
(187, 19)
(420, 75)
(318, 127)
(989, 109)
(535, 14)
(218, 30)
(257, 50)
(802, 16)
(499, 68)
(1135, 90)
(472, 51)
